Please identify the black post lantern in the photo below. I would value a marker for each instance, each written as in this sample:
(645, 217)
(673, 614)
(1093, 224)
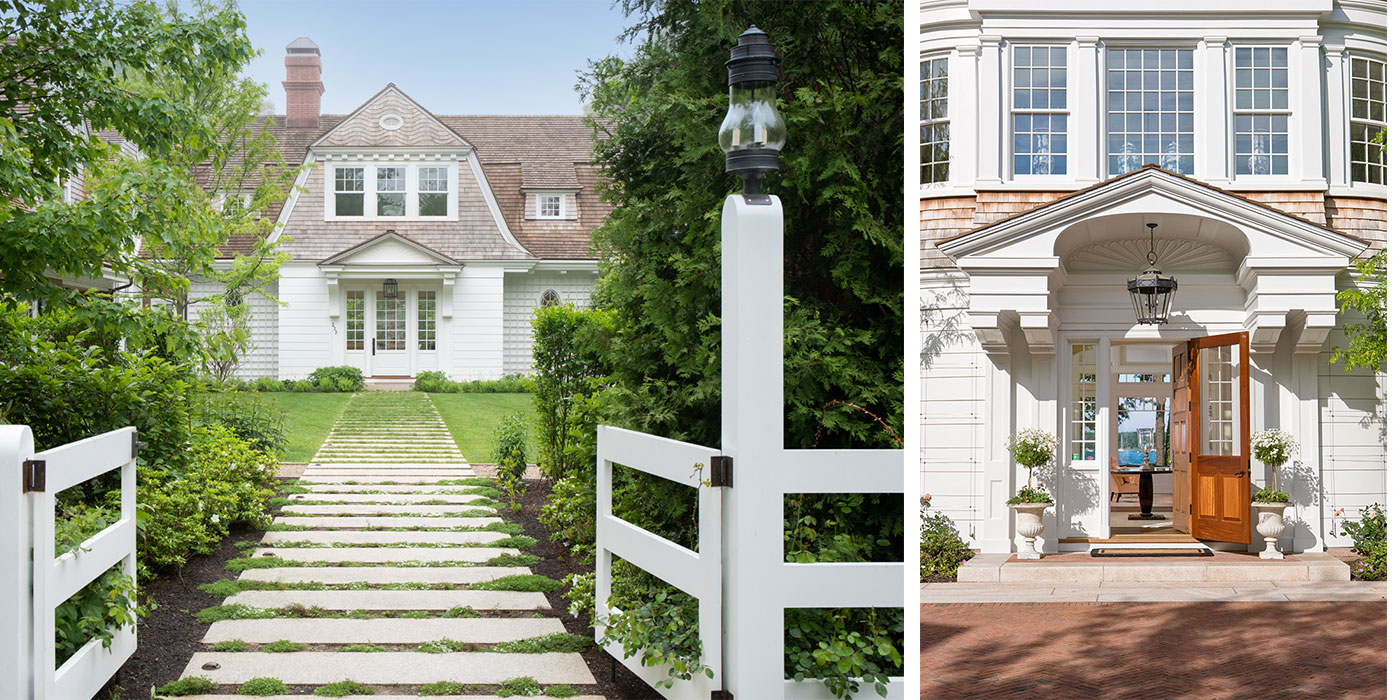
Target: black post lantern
(753, 131)
(391, 289)
(1152, 291)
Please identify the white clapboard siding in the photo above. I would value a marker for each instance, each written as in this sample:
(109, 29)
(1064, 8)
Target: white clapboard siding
(1353, 440)
(523, 292)
(953, 421)
(476, 324)
(304, 332)
(261, 358)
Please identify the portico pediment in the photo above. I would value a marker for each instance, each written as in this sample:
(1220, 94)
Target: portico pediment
(389, 250)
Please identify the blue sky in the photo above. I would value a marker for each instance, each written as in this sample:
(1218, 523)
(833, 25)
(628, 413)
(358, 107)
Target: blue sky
(452, 56)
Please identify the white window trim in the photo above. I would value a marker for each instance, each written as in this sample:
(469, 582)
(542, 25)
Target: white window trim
(371, 184)
(1292, 114)
(563, 195)
(1197, 133)
(946, 57)
(1360, 187)
(1008, 110)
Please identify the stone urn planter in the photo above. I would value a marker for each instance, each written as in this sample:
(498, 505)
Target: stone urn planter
(1030, 522)
(1270, 525)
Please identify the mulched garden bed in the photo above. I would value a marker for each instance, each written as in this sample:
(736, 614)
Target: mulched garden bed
(614, 680)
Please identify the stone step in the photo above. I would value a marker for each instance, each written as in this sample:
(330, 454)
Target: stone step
(383, 537)
(389, 490)
(376, 697)
(386, 473)
(384, 555)
(360, 522)
(392, 600)
(317, 667)
(483, 630)
(372, 509)
(397, 497)
(400, 479)
(372, 465)
(1224, 567)
(457, 575)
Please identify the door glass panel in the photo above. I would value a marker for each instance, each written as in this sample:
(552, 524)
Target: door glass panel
(354, 320)
(1084, 409)
(1220, 389)
(389, 323)
(1144, 431)
(427, 320)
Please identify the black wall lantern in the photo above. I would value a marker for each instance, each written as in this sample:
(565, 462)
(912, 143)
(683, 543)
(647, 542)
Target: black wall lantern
(391, 289)
(753, 131)
(1151, 291)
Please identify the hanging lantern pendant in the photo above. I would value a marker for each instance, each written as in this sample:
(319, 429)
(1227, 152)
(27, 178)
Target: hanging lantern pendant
(1152, 291)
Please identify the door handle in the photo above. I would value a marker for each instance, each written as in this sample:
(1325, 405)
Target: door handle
(1239, 473)
(373, 346)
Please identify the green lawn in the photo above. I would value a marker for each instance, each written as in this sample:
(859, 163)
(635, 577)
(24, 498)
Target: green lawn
(472, 419)
(309, 418)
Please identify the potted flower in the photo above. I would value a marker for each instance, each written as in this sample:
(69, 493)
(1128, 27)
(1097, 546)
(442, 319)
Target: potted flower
(1273, 447)
(1032, 449)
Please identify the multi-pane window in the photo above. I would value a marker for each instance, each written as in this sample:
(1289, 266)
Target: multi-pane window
(391, 191)
(933, 121)
(427, 320)
(390, 322)
(1220, 421)
(1151, 110)
(349, 191)
(1084, 413)
(1261, 111)
(549, 206)
(354, 320)
(432, 191)
(549, 298)
(1367, 120)
(1039, 111)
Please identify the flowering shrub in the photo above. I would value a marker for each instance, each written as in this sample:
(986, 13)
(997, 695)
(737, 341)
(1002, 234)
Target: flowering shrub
(1273, 447)
(1033, 448)
(941, 549)
(1368, 539)
(1027, 494)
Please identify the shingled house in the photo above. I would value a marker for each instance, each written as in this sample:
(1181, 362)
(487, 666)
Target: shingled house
(419, 241)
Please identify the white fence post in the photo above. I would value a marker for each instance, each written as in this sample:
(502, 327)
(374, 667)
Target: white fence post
(16, 626)
(751, 399)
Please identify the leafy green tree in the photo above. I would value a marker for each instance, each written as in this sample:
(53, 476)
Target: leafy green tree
(657, 115)
(1366, 340)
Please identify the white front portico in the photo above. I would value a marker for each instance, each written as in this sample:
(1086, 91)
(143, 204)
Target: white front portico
(1035, 329)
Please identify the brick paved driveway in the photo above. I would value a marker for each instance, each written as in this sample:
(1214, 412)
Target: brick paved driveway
(1195, 651)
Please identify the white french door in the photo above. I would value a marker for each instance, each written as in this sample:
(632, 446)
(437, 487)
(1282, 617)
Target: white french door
(390, 349)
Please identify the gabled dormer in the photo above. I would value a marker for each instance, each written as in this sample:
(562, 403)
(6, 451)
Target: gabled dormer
(551, 191)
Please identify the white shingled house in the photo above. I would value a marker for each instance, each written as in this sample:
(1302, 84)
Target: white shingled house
(419, 241)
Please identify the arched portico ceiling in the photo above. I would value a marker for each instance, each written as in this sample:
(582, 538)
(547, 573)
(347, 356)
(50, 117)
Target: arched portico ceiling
(1119, 243)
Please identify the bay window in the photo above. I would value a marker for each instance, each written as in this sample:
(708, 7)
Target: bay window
(1151, 110)
(1261, 111)
(1367, 120)
(933, 121)
(1039, 111)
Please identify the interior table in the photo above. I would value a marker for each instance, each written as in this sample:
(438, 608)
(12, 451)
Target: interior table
(1144, 473)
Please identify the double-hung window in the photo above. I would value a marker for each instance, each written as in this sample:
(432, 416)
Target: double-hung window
(1261, 111)
(1151, 110)
(933, 121)
(349, 191)
(432, 191)
(1367, 120)
(391, 191)
(1039, 111)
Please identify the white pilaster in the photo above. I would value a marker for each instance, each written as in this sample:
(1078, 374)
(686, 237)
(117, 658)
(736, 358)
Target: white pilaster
(1306, 536)
(1213, 112)
(963, 101)
(1000, 474)
(1310, 102)
(1335, 128)
(1086, 127)
(990, 129)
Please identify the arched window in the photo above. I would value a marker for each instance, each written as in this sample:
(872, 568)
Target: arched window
(549, 298)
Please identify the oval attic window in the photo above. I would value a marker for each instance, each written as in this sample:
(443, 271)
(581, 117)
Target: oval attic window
(390, 121)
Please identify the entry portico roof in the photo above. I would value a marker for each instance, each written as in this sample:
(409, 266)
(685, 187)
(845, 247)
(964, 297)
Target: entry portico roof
(1096, 199)
(418, 254)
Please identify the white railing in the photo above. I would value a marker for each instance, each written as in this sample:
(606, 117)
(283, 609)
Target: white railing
(34, 582)
(698, 574)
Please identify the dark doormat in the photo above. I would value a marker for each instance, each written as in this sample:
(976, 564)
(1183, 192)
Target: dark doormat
(1152, 552)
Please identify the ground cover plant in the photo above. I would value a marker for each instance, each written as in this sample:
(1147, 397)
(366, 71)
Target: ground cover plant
(941, 549)
(1368, 539)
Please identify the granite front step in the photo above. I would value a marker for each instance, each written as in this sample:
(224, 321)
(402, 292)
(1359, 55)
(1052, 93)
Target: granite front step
(366, 480)
(383, 537)
(373, 509)
(406, 498)
(387, 490)
(457, 575)
(361, 522)
(482, 630)
(384, 555)
(316, 667)
(393, 600)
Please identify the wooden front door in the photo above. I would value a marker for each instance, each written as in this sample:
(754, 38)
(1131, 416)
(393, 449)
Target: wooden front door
(1218, 419)
(1183, 373)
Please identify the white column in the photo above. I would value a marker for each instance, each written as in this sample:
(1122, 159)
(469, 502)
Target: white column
(1309, 134)
(16, 603)
(751, 415)
(1334, 120)
(1213, 119)
(1086, 125)
(963, 102)
(1000, 470)
(1307, 426)
(990, 132)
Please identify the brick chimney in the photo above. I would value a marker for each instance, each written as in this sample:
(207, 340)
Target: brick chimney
(303, 84)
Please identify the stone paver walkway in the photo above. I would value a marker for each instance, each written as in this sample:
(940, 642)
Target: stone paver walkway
(1157, 651)
(388, 569)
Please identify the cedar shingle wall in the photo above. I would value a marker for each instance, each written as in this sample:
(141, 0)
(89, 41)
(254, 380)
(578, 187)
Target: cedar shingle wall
(1360, 217)
(1306, 205)
(419, 129)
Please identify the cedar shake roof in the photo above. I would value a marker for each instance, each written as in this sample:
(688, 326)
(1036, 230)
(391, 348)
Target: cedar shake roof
(517, 152)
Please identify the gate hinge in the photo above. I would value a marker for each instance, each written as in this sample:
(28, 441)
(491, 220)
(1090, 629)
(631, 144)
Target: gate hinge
(35, 474)
(721, 694)
(722, 472)
(136, 445)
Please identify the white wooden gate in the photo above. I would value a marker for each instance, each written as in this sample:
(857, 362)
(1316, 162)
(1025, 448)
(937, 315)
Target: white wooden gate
(755, 585)
(30, 589)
